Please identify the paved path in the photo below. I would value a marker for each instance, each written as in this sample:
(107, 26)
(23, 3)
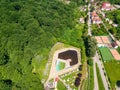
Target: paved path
(96, 87)
(89, 20)
(100, 66)
(96, 59)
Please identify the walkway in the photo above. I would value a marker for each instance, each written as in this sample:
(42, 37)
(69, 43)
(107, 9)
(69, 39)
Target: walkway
(100, 66)
(89, 20)
(96, 87)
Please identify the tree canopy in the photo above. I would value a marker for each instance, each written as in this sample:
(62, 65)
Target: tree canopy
(29, 28)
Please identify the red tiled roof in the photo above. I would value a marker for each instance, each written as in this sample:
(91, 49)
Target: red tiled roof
(96, 19)
(105, 5)
(94, 14)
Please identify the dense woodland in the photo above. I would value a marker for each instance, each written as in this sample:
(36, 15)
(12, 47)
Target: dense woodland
(29, 28)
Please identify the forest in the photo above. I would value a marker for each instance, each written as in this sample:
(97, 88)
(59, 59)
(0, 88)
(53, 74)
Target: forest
(29, 28)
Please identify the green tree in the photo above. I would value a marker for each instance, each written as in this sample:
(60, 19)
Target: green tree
(90, 44)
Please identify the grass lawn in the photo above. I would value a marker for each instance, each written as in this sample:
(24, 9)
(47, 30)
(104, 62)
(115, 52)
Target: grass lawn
(61, 65)
(106, 54)
(91, 79)
(100, 82)
(113, 72)
(60, 86)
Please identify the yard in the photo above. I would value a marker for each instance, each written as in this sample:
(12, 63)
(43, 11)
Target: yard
(113, 72)
(98, 30)
(60, 65)
(106, 54)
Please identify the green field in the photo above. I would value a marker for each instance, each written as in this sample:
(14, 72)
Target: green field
(113, 72)
(106, 54)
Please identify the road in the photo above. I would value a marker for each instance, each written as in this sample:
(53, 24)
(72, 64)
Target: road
(89, 20)
(89, 33)
(100, 66)
(96, 87)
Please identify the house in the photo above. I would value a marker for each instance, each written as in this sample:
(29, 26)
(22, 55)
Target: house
(110, 21)
(107, 19)
(94, 15)
(115, 25)
(95, 18)
(81, 20)
(106, 6)
(117, 6)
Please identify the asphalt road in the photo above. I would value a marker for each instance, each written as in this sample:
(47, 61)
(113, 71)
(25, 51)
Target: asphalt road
(100, 66)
